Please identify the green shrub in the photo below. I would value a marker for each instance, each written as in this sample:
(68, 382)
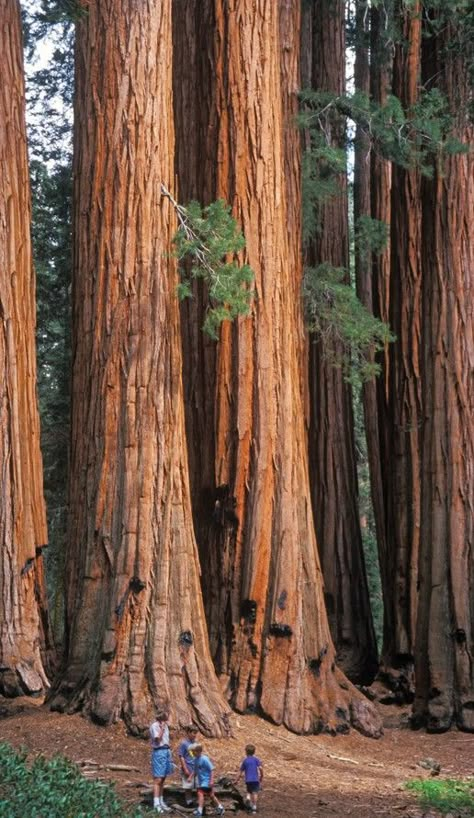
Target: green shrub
(445, 794)
(54, 788)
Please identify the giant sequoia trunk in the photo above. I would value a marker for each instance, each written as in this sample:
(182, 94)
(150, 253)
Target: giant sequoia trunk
(331, 438)
(445, 628)
(271, 637)
(401, 456)
(135, 625)
(25, 647)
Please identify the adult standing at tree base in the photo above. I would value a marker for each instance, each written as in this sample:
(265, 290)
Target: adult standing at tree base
(161, 763)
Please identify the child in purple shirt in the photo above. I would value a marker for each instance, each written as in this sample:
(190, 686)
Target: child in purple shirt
(252, 769)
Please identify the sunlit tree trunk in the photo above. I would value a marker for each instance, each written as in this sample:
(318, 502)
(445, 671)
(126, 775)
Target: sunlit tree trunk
(331, 438)
(136, 636)
(445, 630)
(273, 647)
(25, 647)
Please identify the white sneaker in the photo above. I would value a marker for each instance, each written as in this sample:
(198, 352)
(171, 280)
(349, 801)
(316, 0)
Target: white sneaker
(165, 807)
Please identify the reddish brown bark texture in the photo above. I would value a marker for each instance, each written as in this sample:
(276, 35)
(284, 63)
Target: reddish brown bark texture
(25, 648)
(273, 644)
(401, 461)
(331, 437)
(135, 625)
(445, 631)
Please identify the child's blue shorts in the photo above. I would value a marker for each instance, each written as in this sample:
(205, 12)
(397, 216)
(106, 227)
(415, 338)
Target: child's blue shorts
(253, 786)
(161, 764)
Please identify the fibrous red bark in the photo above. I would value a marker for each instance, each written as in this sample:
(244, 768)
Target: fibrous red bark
(445, 628)
(25, 641)
(135, 625)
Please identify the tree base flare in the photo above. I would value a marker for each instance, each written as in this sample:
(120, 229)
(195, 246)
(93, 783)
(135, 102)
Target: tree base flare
(22, 680)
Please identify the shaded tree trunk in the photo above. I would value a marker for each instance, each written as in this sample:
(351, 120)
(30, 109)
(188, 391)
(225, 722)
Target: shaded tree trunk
(275, 648)
(25, 641)
(445, 628)
(375, 405)
(364, 260)
(135, 624)
(331, 438)
(401, 464)
(197, 115)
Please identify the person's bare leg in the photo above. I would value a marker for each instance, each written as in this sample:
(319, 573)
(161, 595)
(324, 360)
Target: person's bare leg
(157, 792)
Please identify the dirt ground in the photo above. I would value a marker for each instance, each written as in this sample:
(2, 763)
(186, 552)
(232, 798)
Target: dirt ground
(314, 776)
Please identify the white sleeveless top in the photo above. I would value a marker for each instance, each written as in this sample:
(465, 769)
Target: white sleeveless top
(155, 730)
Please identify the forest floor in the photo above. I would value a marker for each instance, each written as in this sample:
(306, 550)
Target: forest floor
(313, 776)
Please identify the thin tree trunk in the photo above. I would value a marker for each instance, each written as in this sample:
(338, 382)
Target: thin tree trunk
(376, 405)
(445, 628)
(363, 257)
(25, 641)
(135, 625)
(331, 438)
(381, 63)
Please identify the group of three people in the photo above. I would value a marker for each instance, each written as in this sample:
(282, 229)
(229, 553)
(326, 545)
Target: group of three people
(197, 770)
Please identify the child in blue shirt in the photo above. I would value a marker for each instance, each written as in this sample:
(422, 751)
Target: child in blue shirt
(186, 761)
(204, 772)
(252, 769)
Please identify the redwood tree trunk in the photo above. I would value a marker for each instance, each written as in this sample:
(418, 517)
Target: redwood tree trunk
(445, 628)
(135, 625)
(25, 642)
(401, 461)
(278, 657)
(331, 438)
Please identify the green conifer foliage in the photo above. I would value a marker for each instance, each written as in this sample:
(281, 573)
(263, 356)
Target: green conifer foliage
(207, 243)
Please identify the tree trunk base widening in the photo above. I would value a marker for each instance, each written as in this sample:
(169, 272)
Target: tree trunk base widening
(331, 709)
(438, 717)
(22, 680)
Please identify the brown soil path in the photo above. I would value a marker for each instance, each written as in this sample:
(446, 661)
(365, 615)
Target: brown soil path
(314, 776)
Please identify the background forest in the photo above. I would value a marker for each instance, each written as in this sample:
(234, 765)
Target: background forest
(236, 267)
